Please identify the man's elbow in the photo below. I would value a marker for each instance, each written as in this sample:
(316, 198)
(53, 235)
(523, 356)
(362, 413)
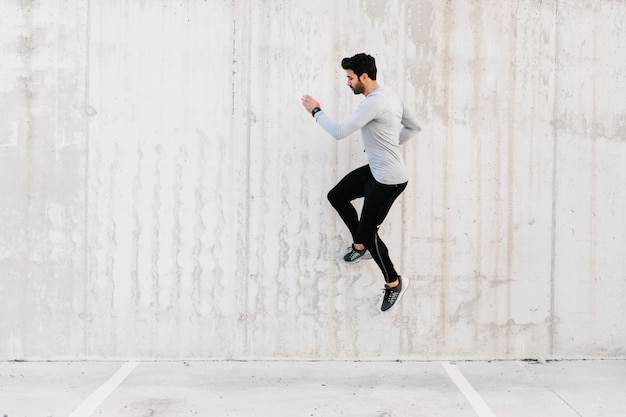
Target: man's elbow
(338, 134)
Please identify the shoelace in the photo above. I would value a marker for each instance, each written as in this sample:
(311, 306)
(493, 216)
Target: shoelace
(392, 295)
(355, 254)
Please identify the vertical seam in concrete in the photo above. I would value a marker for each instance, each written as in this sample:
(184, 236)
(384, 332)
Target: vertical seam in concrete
(332, 328)
(477, 19)
(554, 176)
(447, 105)
(86, 173)
(239, 11)
(592, 292)
(248, 132)
(511, 173)
(26, 52)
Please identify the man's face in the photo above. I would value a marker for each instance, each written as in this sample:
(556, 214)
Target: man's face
(354, 83)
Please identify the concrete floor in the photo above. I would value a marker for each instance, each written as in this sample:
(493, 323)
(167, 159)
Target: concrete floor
(312, 389)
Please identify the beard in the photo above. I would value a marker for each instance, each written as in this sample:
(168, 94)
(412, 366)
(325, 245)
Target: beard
(357, 88)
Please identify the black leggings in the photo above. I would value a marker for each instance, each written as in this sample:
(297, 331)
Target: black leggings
(378, 199)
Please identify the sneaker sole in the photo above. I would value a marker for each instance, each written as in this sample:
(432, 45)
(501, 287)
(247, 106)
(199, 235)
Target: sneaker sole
(405, 286)
(351, 262)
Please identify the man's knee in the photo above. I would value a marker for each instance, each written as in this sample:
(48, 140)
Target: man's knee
(333, 196)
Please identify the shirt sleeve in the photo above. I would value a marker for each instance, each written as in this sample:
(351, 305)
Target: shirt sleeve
(410, 127)
(364, 113)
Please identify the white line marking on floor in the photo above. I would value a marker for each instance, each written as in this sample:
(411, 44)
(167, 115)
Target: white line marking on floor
(94, 400)
(470, 393)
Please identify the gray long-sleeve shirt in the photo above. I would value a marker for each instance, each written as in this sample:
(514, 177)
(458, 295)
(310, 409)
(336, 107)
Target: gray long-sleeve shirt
(385, 123)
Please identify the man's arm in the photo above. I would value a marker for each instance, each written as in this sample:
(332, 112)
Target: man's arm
(339, 130)
(410, 127)
(363, 114)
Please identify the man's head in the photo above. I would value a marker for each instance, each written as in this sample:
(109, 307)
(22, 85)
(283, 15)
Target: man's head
(360, 70)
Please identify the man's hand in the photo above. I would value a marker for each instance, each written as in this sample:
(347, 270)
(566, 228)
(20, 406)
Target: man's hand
(309, 103)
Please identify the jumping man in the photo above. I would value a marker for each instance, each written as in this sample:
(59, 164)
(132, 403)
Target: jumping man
(385, 123)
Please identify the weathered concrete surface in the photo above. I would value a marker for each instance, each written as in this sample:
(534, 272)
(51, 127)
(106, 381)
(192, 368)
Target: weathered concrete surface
(328, 389)
(164, 191)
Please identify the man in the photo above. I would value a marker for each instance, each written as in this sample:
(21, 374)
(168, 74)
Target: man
(385, 123)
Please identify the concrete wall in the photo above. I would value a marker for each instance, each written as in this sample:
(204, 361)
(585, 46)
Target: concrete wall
(164, 192)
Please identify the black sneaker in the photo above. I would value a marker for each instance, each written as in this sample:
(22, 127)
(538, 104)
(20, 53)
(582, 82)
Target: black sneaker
(354, 255)
(392, 295)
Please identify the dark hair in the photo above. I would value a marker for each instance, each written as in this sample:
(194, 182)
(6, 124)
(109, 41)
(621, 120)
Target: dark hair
(360, 64)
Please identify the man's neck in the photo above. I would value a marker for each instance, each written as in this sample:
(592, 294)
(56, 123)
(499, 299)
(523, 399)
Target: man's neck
(370, 87)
